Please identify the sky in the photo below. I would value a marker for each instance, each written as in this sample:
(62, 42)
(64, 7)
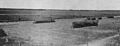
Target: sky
(62, 4)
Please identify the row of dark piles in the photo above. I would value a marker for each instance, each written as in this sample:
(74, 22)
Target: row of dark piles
(90, 21)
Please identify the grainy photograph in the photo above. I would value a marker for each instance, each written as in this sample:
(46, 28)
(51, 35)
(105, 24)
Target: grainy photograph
(59, 22)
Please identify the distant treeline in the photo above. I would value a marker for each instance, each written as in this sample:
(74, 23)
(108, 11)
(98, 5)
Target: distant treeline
(66, 16)
(11, 14)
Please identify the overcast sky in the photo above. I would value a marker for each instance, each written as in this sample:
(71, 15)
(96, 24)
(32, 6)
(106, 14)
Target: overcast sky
(62, 4)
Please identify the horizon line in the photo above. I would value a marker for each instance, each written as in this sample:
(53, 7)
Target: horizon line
(56, 9)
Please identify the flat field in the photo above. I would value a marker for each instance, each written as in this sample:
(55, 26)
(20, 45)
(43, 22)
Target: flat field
(61, 33)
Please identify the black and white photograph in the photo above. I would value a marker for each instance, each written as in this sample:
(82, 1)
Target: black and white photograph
(59, 22)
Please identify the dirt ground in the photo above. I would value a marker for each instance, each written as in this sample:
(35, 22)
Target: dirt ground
(60, 33)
